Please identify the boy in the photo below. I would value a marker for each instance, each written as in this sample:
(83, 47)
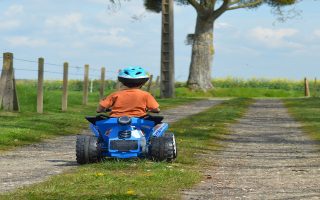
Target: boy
(130, 101)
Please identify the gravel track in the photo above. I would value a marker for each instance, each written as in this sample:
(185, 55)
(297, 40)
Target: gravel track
(267, 156)
(35, 163)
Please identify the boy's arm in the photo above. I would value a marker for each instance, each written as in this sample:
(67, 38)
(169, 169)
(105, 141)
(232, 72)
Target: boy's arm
(105, 104)
(152, 104)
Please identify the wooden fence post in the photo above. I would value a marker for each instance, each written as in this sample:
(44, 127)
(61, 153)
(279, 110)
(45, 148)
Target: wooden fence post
(91, 85)
(306, 88)
(149, 83)
(102, 82)
(158, 81)
(40, 86)
(64, 105)
(85, 85)
(8, 93)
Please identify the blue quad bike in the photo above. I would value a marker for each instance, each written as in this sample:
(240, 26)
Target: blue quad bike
(126, 137)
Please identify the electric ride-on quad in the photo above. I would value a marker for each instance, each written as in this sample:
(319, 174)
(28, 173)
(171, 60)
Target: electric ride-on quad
(126, 137)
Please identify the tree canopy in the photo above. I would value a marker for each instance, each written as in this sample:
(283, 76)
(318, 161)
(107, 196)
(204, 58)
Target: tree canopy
(155, 5)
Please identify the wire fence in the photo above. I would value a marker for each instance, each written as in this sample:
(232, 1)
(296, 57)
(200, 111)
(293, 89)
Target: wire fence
(52, 76)
(25, 68)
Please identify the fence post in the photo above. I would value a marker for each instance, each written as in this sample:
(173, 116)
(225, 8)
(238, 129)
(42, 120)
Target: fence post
(306, 88)
(40, 86)
(8, 93)
(158, 81)
(64, 105)
(85, 85)
(91, 85)
(149, 83)
(102, 82)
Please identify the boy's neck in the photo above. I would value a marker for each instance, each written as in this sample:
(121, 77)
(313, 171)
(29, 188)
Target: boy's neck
(130, 88)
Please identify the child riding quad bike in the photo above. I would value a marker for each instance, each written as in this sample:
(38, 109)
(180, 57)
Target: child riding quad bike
(128, 132)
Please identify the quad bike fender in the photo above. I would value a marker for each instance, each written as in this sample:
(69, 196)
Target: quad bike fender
(160, 130)
(94, 130)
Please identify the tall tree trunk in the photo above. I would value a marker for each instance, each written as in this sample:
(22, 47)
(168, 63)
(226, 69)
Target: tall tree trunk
(202, 54)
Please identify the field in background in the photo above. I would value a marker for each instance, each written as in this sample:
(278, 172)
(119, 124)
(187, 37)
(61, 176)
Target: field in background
(229, 87)
(233, 87)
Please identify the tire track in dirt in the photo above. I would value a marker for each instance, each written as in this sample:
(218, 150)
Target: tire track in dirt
(267, 156)
(35, 163)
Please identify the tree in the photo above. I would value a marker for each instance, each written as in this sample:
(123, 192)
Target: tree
(208, 11)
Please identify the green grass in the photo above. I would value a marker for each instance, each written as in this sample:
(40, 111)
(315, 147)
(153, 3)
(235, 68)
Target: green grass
(143, 179)
(284, 84)
(239, 92)
(235, 87)
(307, 111)
(28, 126)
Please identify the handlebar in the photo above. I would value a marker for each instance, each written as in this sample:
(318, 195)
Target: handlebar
(108, 110)
(105, 111)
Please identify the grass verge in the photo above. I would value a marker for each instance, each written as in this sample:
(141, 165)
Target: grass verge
(306, 111)
(143, 179)
(239, 92)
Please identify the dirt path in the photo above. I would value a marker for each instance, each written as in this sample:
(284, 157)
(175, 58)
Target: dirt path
(266, 157)
(35, 163)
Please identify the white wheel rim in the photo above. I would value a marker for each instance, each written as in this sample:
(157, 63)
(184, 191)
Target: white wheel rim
(174, 145)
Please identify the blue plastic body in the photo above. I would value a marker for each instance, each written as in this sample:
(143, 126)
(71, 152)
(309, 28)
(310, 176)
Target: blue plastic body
(141, 131)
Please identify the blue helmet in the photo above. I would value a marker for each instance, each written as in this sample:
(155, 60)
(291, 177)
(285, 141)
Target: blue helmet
(133, 76)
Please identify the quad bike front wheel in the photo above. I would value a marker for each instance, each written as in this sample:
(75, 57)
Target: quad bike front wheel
(164, 148)
(87, 150)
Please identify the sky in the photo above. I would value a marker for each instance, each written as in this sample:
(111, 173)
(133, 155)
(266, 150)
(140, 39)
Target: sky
(248, 43)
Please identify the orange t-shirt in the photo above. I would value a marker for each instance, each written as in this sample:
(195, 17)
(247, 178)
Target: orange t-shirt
(129, 102)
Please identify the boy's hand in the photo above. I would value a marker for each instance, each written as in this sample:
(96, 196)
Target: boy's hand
(155, 110)
(100, 109)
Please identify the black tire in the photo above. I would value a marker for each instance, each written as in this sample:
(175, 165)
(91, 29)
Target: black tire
(164, 148)
(87, 150)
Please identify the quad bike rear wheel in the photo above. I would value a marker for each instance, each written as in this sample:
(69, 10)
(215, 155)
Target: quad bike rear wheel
(164, 148)
(87, 150)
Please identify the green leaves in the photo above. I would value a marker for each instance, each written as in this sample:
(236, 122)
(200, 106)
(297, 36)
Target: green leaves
(153, 5)
(277, 3)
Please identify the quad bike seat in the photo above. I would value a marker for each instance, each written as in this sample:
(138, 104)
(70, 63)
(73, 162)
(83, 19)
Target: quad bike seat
(100, 117)
(155, 119)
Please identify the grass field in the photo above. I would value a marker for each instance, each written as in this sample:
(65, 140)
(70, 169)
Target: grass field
(142, 179)
(239, 92)
(307, 111)
(233, 87)
(228, 87)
